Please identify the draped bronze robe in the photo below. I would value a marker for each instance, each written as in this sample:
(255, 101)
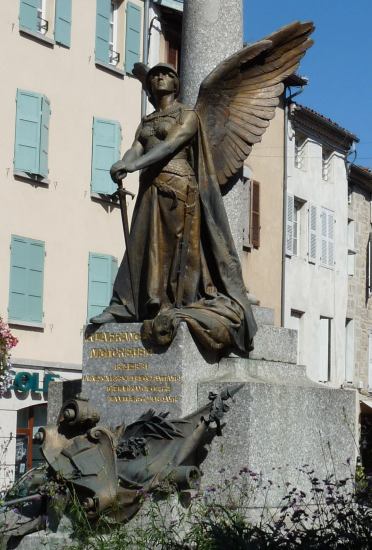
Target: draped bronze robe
(183, 259)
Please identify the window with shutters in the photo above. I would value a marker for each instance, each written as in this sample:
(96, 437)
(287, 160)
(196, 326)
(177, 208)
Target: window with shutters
(31, 135)
(118, 34)
(26, 281)
(293, 225)
(351, 247)
(102, 272)
(49, 20)
(106, 142)
(325, 349)
(327, 244)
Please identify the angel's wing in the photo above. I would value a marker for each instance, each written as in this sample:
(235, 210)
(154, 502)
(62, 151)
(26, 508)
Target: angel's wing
(238, 98)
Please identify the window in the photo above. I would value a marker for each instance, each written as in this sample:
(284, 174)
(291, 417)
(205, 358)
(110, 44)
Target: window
(325, 352)
(326, 164)
(295, 322)
(327, 238)
(31, 134)
(351, 247)
(300, 151)
(251, 230)
(26, 280)
(105, 151)
(114, 56)
(111, 50)
(293, 235)
(102, 273)
(36, 17)
(349, 350)
(28, 455)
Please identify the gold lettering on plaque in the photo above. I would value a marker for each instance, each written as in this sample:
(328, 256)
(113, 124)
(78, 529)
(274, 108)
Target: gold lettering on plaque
(144, 389)
(115, 337)
(132, 366)
(140, 399)
(131, 378)
(103, 353)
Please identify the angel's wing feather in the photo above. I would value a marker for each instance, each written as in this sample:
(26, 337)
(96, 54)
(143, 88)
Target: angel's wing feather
(238, 98)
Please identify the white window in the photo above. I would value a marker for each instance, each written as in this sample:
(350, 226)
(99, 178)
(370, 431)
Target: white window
(327, 221)
(300, 151)
(312, 232)
(41, 17)
(351, 247)
(294, 223)
(114, 56)
(326, 164)
(325, 351)
(349, 350)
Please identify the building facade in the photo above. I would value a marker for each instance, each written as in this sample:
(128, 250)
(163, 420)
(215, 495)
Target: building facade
(316, 263)
(69, 108)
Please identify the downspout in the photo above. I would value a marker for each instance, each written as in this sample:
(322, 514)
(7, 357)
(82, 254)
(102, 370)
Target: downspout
(145, 49)
(287, 102)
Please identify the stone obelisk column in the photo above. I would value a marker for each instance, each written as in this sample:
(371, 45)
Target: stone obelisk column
(212, 31)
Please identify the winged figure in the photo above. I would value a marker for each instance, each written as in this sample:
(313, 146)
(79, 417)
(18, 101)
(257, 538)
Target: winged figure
(181, 263)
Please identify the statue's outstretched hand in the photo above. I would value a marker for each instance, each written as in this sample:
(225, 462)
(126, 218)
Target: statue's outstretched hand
(118, 171)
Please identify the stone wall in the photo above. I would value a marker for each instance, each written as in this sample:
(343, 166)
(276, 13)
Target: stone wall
(359, 306)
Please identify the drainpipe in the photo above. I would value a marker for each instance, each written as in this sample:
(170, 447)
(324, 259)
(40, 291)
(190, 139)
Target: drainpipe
(287, 102)
(145, 49)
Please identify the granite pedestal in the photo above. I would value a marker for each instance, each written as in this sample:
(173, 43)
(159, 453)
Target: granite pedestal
(279, 422)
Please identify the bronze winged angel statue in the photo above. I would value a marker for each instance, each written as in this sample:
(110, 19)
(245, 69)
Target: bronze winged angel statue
(181, 263)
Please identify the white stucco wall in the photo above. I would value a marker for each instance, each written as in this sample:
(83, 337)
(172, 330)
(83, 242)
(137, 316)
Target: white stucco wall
(312, 288)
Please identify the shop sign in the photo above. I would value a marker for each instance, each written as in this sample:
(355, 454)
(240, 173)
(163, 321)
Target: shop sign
(30, 382)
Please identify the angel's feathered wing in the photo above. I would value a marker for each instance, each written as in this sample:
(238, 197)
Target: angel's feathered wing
(238, 98)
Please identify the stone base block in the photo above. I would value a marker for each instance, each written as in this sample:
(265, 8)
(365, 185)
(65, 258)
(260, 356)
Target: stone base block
(280, 422)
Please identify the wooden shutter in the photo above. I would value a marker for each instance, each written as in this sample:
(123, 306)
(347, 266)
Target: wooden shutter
(106, 151)
(312, 234)
(28, 14)
(132, 36)
(101, 276)
(289, 225)
(349, 350)
(62, 25)
(27, 133)
(331, 238)
(44, 137)
(26, 280)
(255, 214)
(103, 30)
(324, 237)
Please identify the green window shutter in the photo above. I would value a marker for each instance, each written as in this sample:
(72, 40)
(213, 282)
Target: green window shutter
(27, 135)
(100, 282)
(62, 26)
(26, 280)
(103, 30)
(44, 137)
(132, 36)
(28, 18)
(106, 151)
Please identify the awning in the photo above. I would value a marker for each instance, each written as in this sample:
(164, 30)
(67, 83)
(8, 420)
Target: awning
(173, 4)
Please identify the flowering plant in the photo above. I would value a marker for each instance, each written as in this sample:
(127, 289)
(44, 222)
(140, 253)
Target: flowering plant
(7, 342)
